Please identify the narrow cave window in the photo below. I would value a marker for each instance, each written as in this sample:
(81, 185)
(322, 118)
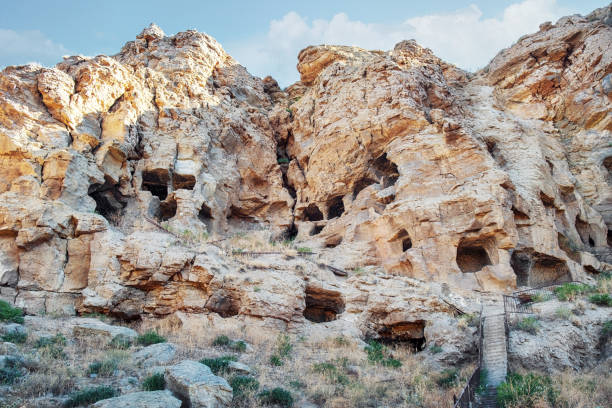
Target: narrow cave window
(386, 169)
(472, 257)
(406, 244)
(583, 230)
(316, 230)
(361, 184)
(183, 181)
(167, 209)
(547, 270)
(547, 201)
(607, 163)
(156, 182)
(403, 237)
(591, 242)
(109, 200)
(411, 333)
(610, 238)
(336, 207)
(224, 303)
(495, 153)
(521, 264)
(312, 213)
(205, 216)
(322, 305)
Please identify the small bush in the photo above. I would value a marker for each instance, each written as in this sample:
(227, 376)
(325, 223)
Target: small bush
(470, 319)
(606, 330)
(283, 350)
(379, 354)
(276, 360)
(332, 372)
(541, 297)
(529, 324)
(242, 384)
(154, 382)
(150, 337)
(15, 337)
(296, 384)
(11, 371)
(342, 341)
(120, 342)
(51, 347)
(601, 300)
(276, 396)
(224, 341)
(448, 378)
(526, 391)
(104, 368)
(435, 349)
(570, 291)
(563, 313)
(219, 364)
(90, 395)
(9, 313)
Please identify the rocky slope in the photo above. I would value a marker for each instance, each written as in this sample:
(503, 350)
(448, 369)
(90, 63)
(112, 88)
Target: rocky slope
(132, 184)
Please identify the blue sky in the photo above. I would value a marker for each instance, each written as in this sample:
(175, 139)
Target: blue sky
(266, 36)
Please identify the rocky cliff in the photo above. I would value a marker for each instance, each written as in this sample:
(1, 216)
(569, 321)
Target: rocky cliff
(163, 180)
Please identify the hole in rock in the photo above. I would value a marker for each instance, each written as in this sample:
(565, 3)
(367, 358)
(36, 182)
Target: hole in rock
(521, 263)
(403, 237)
(591, 242)
(546, 200)
(312, 213)
(156, 181)
(167, 209)
(224, 304)
(519, 216)
(386, 169)
(333, 241)
(547, 270)
(316, 229)
(183, 181)
(361, 184)
(205, 216)
(322, 305)
(569, 247)
(336, 207)
(607, 163)
(472, 256)
(410, 333)
(609, 238)
(590, 269)
(495, 152)
(583, 230)
(290, 233)
(109, 200)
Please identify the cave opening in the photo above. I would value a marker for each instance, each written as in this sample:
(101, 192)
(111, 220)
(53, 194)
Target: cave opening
(322, 305)
(224, 303)
(547, 201)
(472, 256)
(205, 216)
(156, 181)
(336, 208)
(312, 213)
(411, 334)
(167, 209)
(547, 270)
(386, 169)
(109, 201)
(361, 184)
(316, 230)
(183, 181)
(609, 238)
(607, 163)
(495, 153)
(403, 237)
(569, 247)
(582, 228)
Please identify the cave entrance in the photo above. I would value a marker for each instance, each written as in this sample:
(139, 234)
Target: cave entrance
(183, 181)
(225, 304)
(361, 184)
(109, 201)
(205, 216)
(316, 230)
(403, 238)
(336, 208)
(472, 256)
(406, 333)
(167, 209)
(322, 305)
(569, 247)
(521, 264)
(583, 230)
(547, 270)
(312, 213)
(386, 169)
(156, 181)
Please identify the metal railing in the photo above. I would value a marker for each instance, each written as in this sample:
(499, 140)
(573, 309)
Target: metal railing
(467, 397)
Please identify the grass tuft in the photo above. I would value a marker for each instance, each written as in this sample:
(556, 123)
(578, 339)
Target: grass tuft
(150, 337)
(219, 364)
(90, 395)
(601, 299)
(154, 382)
(15, 337)
(379, 354)
(528, 391)
(277, 396)
(9, 313)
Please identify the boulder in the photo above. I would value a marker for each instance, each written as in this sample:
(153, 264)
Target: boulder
(93, 327)
(144, 399)
(197, 386)
(154, 355)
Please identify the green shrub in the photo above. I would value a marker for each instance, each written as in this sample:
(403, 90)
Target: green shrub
(276, 360)
(379, 354)
(606, 330)
(11, 371)
(601, 300)
(224, 341)
(332, 372)
(283, 350)
(242, 384)
(90, 395)
(9, 313)
(150, 337)
(297, 384)
(525, 391)
(154, 382)
(120, 342)
(15, 337)
(304, 250)
(448, 378)
(276, 396)
(104, 368)
(342, 341)
(218, 364)
(529, 324)
(570, 291)
(52, 347)
(435, 349)
(472, 319)
(563, 313)
(541, 297)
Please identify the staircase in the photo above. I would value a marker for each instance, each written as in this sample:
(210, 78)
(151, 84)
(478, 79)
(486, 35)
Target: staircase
(494, 354)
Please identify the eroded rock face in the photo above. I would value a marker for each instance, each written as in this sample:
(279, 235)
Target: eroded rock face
(424, 182)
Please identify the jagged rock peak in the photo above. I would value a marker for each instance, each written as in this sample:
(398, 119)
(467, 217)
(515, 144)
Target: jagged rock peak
(152, 32)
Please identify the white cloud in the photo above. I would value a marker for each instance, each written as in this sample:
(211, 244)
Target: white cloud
(22, 47)
(462, 37)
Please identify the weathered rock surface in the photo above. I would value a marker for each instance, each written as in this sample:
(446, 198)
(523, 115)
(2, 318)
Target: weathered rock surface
(155, 355)
(197, 386)
(145, 399)
(92, 327)
(122, 178)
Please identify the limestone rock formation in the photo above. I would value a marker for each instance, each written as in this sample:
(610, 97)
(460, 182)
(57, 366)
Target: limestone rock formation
(124, 177)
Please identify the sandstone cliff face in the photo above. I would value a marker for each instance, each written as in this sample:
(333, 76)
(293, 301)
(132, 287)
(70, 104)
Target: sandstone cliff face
(433, 181)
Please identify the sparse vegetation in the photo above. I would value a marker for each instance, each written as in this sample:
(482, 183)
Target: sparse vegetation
(154, 382)
(529, 324)
(601, 299)
(224, 341)
(470, 319)
(283, 350)
(563, 313)
(448, 378)
(15, 337)
(242, 384)
(219, 364)
(379, 354)
(150, 337)
(304, 250)
(570, 291)
(11, 371)
(120, 342)
(435, 349)
(105, 368)
(541, 297)
(90, 395)
(276, 396)
(606, 330)
(9, 313)
(282, 160)
(52, 347)
(528, 391)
